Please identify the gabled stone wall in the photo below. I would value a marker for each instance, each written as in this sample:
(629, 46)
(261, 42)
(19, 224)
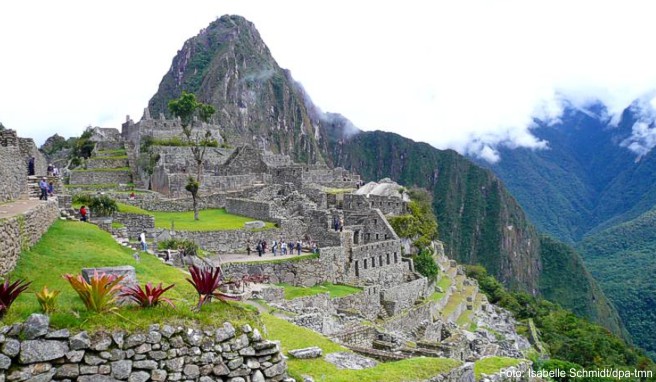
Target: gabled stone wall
(34, 352)
(13, 169)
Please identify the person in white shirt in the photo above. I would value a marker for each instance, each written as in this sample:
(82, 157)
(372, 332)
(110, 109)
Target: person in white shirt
(142, 240)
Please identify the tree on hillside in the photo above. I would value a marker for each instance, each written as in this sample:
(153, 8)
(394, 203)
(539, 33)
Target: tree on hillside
(186, 108)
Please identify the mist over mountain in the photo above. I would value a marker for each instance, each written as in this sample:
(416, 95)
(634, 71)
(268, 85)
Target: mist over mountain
(595, 187)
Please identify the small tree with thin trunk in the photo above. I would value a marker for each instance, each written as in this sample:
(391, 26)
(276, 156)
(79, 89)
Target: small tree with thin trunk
(186, 107)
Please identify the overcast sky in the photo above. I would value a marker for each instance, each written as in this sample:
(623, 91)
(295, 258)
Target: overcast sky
(468, 75)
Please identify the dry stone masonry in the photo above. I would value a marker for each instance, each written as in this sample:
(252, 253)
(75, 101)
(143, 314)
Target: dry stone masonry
(32, 351)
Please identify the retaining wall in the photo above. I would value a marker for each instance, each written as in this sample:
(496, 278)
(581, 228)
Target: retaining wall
(33, 352)
(21, 232)
(100, 177)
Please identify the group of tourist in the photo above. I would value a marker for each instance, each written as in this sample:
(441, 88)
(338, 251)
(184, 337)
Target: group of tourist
(51, 169)
(282, 247)
(338, 223)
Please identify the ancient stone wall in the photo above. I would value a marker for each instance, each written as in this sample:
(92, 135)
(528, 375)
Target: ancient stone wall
(305, 272)
(134, 223)
(33, 352)
(234, 241)
(357, 336)
(13, 169)
(366, 303)
(173, 185)
(100, 177)
(28, 149)
(376, 227)
(316, 195)
(377, 262)
(388, 205)
(21, 232)
(288, 174)
(319, 229)
(100, 162)
(244, 160)
(410, 319)
(250, 208)
(403, 296)
(178, 159)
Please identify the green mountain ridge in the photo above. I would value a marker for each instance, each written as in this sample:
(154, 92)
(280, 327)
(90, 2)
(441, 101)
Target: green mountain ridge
(589, 190)
(230, 67)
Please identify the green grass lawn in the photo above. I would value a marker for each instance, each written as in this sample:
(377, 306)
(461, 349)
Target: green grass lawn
(92, 186)
(444, 283)
(210, 220)
(68, 247)
(294, 337)
(492, 365)
(335, 290)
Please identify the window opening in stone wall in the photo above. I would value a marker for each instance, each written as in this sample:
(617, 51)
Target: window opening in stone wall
(375, 221)
(396, 258)
(376, 236)
(365, 263)
(388, 259)
(373, 262)
(356, 237)
(380, 260)
(357, 268)
(385, 236)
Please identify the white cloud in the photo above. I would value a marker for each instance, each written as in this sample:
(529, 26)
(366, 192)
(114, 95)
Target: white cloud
(468, 75)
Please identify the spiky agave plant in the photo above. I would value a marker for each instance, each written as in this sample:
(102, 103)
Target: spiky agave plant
(148, 296)
(207, 281)
(9, 292)
(100, 293)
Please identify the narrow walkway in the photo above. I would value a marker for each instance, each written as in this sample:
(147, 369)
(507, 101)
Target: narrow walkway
(18, 207)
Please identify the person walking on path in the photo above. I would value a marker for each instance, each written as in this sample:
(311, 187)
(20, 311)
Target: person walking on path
(142, 240)
(298, 247)
(43, 185)
(259, 248)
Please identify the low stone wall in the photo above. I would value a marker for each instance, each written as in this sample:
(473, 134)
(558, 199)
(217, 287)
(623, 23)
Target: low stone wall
(33, 352)
(409, 320)
(154, 202)
(234, 241)
(404, 295)
(305, 272)
(100, 177)
(519, 373)
(100, 162)
(358, 336)
(21, 232)
(464, 373)
(250, 208)
(135, 223)
(366, 303)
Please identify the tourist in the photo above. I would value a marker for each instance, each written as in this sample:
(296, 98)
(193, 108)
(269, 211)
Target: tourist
(298, 247)
(315, 249)
(43, 185)
(341, 224)
(248, 248)
(55, 171)
(335, 224)
(51, 189)
(50, 168)
(30, 167)
(83, 213)
(132, 196)
(258, 248)
(142, 240)
(283, 248)
(264, 246)
(274, 247)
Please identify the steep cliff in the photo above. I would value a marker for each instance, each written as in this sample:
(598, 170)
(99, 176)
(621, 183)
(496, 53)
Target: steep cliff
(228, 65)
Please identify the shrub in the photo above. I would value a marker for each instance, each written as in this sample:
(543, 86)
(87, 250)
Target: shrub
(82, 198)
(148, 296)
(206, 281)
(103, 205)
(425, 264)
(189, 247)
(10, 292)
(47, 299)
(98, 295)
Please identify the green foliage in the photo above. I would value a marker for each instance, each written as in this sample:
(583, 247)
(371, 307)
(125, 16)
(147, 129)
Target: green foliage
(420, 224)
(47, 299)
(207, 281)
(192, 186)
(175, 141)
(567, 336)
(103, 205)
(186, 106)
(100, 293)
(189, 247)
(68, 247)
(425, 264)
(55, 143)
(82, 147)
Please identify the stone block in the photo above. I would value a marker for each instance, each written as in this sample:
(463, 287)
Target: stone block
(306, 353)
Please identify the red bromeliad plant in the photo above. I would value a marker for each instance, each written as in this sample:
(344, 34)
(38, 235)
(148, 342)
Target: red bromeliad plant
(10, 292)
(98, 295)
(147, 296)
(207, 281)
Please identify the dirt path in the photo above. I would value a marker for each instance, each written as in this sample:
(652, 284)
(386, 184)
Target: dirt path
(17, 207)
